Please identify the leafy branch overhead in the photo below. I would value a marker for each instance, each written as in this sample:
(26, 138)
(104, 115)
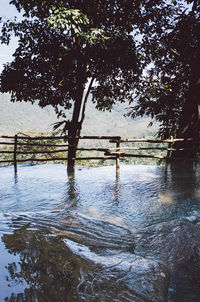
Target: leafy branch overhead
(144, 52)
(64, 44)
(74, 21)
(169, 89)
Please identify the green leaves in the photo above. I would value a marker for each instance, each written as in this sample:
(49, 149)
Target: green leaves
(97, 36)
(75, 22)
(64, 43)
(68, 19)
(170, 52)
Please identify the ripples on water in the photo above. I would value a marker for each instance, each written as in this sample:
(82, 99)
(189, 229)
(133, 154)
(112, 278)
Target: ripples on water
(73, 239)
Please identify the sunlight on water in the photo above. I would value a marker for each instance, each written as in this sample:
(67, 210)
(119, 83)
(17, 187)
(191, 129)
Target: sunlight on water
(98, 214)
(197, 194)
(167, 198)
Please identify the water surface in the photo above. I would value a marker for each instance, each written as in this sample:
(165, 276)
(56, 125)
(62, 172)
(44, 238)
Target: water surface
(63, 238)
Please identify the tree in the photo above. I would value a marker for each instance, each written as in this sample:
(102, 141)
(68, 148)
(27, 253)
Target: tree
(169, 91)
(68, 46)
(44, 263)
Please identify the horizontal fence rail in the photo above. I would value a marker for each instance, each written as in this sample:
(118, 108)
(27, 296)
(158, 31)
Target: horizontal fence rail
(14, 148)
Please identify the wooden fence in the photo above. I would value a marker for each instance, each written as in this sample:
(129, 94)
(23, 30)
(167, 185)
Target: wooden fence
(115, 153)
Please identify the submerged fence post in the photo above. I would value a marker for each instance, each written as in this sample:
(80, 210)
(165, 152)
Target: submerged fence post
(169, 152)
(117, 156)
(15, 155)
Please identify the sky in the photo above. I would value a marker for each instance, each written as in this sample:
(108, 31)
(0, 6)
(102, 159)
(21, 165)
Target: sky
(7, 11)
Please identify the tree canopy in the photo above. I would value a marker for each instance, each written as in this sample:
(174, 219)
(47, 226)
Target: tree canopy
(62, 44)
(170, 90)
(143, 52)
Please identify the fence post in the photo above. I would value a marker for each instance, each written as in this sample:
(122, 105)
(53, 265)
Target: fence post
(15, 154)
(169, 152)
(117, 156)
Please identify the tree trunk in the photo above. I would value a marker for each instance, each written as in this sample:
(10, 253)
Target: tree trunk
(189, 128)
(73, 133)
(189, 123)
(73, 143)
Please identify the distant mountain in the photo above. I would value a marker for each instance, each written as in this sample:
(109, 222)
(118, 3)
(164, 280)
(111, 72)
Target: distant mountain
(25, 117)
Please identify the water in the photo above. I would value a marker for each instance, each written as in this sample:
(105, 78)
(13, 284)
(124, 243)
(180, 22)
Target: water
(81, 238)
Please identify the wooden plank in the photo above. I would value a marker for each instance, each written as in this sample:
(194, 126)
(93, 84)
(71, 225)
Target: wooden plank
(35, 137)
(121, 154)
(35, 144)
(145, 156)
(6, 136)
(6, 161)
(95, 158)
(93, 149)
(137, 149)
(6, 152)
(33, 159)
(60, 150)
(43, 145)
(111, 138)
(57, 158)
(6, 143)
(60, 137)
(115, 153)
(41, 152)
(155, 148)
(100, 137)
(130, 140)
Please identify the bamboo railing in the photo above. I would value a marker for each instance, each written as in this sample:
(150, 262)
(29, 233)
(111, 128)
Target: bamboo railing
(116, 153)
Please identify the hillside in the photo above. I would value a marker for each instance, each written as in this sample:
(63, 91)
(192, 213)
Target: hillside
(24, 117)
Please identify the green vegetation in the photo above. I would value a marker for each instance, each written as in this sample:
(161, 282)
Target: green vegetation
(25, 117)
(33, 150)
(169, 91)
(142, 52)
(69, 49)
(39, 150)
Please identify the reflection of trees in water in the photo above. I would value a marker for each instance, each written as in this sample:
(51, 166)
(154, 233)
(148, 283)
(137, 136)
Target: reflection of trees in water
(180, 192)
(117, 187)
(53, 273)
(181, 180)
(72, 191)
(50, 270)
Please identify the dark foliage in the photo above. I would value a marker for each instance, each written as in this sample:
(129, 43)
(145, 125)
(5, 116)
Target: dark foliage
(64, 43)
(170, 90)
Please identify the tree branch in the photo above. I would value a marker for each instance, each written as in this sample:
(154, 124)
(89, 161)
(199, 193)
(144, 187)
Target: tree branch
(86, 98)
